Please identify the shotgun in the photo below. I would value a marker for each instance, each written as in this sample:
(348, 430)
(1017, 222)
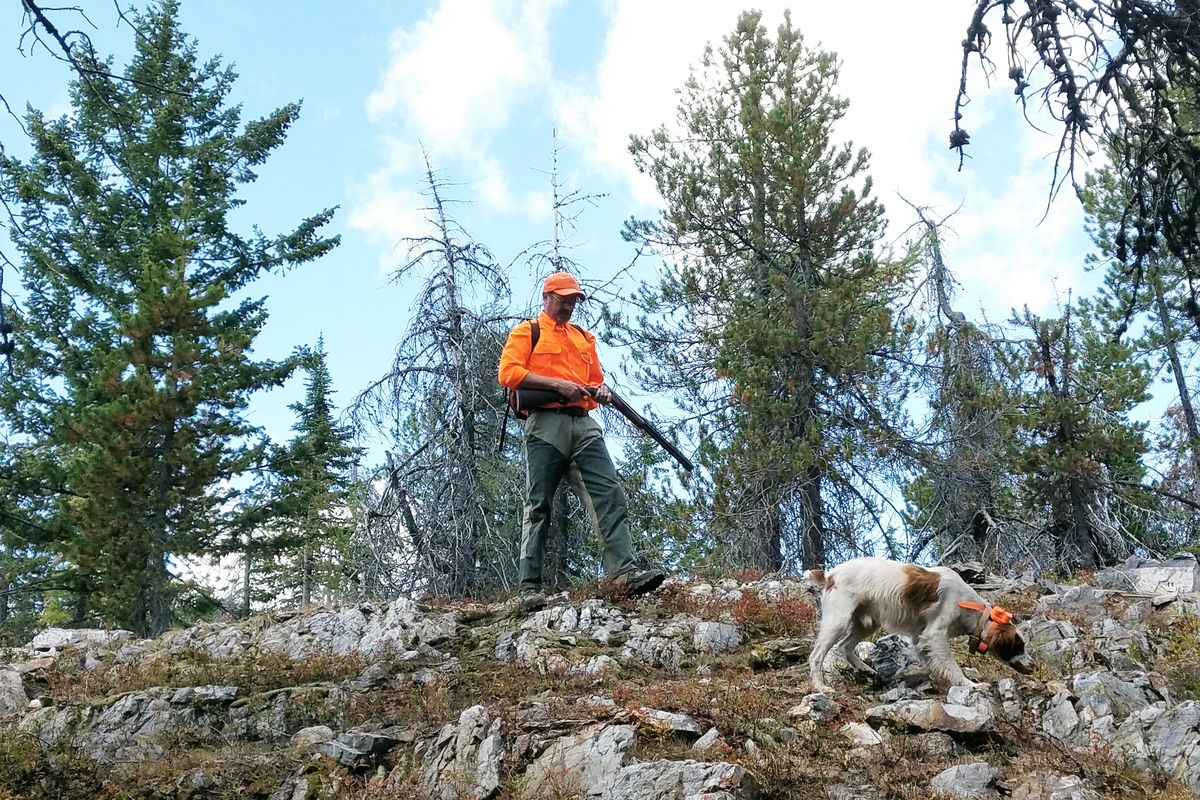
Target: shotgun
(530, 399)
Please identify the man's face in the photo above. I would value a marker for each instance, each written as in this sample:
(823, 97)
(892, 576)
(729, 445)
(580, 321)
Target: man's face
(560, 307)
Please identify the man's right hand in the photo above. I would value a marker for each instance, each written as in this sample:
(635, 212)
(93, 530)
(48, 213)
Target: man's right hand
(571, 392)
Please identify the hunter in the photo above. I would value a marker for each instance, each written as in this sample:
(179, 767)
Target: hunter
(551, 354)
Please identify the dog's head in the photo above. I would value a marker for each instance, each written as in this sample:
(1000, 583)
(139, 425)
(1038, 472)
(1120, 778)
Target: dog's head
(1000, 638)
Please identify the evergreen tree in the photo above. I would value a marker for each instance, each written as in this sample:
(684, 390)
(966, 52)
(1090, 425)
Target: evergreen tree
(775, 320)
(316, 514)
(133, 367)
(1158, 311)
(1079, 456)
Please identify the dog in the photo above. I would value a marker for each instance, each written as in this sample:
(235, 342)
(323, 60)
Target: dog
(928, 605)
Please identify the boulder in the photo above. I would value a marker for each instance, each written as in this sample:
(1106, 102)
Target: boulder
(968, 781)
(931, 715)
(53, 640)
(585, 763)
(716, 637)
(1177, 575)
(464, 759)
(687, 780)
(12, 692)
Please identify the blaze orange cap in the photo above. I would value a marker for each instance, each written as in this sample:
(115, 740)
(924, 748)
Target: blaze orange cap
(563, 283)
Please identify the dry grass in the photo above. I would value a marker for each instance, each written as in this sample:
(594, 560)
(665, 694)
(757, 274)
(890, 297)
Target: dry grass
(258, 672)
(757, 615)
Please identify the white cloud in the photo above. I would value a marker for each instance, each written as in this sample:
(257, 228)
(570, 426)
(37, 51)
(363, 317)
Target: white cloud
(900, 70)
(453, 81)
(454, 78)
(388, 207)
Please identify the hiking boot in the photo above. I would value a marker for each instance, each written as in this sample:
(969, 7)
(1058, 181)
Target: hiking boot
(530, 602)
(644, 582)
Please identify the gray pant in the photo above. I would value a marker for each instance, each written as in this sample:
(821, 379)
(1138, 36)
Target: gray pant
(552, 443)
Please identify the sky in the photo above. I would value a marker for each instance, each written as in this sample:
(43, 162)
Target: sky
(488, 88)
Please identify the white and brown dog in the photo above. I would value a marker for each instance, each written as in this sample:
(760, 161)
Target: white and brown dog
(928, 605)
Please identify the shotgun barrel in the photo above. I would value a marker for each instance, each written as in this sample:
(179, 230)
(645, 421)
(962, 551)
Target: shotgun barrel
(531, 399)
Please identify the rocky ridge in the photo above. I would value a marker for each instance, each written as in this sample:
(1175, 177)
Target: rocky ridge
(696, 693)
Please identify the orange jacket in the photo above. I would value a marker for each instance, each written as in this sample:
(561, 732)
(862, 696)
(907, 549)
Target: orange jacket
(563, 351)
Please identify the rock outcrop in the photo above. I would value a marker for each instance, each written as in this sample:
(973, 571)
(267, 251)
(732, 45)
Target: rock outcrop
(698, 692)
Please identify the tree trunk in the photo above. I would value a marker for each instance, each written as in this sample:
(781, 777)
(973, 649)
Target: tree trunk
(157, 611)
(812, 542)
(554, 569)
(246, 568)
(1077, 547)
(1185, 396)
(306, 570)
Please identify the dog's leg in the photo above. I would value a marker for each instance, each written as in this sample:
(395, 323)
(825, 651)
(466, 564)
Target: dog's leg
(837, 621)
(934, 647)
(858, 632)
(831, 633)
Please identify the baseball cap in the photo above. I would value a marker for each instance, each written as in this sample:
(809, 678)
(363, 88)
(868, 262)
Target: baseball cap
(563, 283)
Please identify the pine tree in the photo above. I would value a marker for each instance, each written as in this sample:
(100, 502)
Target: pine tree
(133, 367)
(1078, 455)
(777, 312)
(316, 515)
(1156, 313)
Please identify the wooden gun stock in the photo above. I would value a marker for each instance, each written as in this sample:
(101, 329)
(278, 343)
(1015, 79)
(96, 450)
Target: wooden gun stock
(531, 399)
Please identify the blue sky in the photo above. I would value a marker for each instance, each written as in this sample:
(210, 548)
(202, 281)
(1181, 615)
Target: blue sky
(482, 84)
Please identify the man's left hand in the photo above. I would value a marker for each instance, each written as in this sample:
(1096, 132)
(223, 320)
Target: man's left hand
(603, 395)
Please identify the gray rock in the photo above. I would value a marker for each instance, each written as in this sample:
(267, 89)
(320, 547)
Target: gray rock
(682, 779)
(1106, 694)
(337, 632)
(133, 728)
(974, 781)
(817, 706)
(892, 656)
(1010, 700)
(1178, 575)
(12, 692)
(1061, 721)
(716, 637)
(464, 758)
(1052, 786)
(1174, 742)
(586, 763)
(1081, 602)
(930, 715)
(52, 640)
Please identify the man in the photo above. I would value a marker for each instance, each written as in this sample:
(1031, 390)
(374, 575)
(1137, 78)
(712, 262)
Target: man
(562, 434)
